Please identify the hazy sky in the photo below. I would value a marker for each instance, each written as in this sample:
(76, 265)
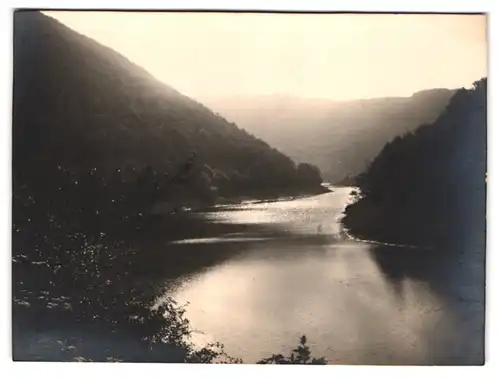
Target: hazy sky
(338, 56)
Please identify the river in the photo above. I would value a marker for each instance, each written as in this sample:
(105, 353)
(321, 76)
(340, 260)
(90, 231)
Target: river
(293, 271)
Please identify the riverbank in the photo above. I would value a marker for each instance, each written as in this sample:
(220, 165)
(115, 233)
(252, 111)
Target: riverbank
(73, 294)
(322, 284)
(271, 198)
(71, 282)
(255, 197)
(369, 220)
(429, 228)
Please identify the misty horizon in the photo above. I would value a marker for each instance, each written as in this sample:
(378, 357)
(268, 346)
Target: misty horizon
(289, 96)
(216, 55)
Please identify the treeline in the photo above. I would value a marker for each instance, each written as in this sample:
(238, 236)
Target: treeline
(122, 200)
(428, 188)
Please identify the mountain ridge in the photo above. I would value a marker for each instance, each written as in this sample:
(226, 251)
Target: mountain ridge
(340, 137)
(84, 105)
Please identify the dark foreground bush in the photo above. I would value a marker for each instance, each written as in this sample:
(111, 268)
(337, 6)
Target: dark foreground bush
(301, 355)
(84, 300)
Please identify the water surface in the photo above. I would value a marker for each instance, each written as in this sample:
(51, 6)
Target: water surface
(292, 271)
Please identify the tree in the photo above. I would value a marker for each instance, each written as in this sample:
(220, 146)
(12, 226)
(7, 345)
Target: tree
(309, 174)
(301, 355)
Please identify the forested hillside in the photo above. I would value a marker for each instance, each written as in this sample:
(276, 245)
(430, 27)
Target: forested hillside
(81, 109)
(340, 137)
(429, 186)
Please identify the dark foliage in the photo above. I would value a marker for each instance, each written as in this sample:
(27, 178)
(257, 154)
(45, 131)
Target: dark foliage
(309, 174)
(429, 187)
(301, 355)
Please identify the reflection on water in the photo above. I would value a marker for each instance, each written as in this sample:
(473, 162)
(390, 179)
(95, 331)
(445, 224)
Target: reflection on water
(357, 303)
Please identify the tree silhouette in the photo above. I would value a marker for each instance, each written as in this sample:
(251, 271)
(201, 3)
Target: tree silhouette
(428, 189)
(301, 355)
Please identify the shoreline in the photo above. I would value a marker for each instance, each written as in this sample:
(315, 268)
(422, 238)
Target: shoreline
(271, 199)
(224, 203)
(370, 222)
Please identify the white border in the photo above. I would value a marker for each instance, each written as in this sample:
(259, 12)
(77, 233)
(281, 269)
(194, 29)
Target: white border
(310, 5)
(46, 370)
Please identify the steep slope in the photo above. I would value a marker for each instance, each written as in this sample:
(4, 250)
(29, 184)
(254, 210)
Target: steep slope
(340, 137)
(428, 187)
(83, 106)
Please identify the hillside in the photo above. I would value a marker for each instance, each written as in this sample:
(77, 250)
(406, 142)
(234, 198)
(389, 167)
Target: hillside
(340, 137)
(81, 107)
(428, 188)
(98, 144)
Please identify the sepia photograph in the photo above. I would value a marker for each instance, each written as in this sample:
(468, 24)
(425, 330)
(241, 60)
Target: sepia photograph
(249, 187)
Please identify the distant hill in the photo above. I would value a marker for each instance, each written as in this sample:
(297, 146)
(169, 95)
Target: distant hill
(81, 106)
(340, 137)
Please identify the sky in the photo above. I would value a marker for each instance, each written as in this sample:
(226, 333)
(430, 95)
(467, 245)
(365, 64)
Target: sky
(331, 56)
